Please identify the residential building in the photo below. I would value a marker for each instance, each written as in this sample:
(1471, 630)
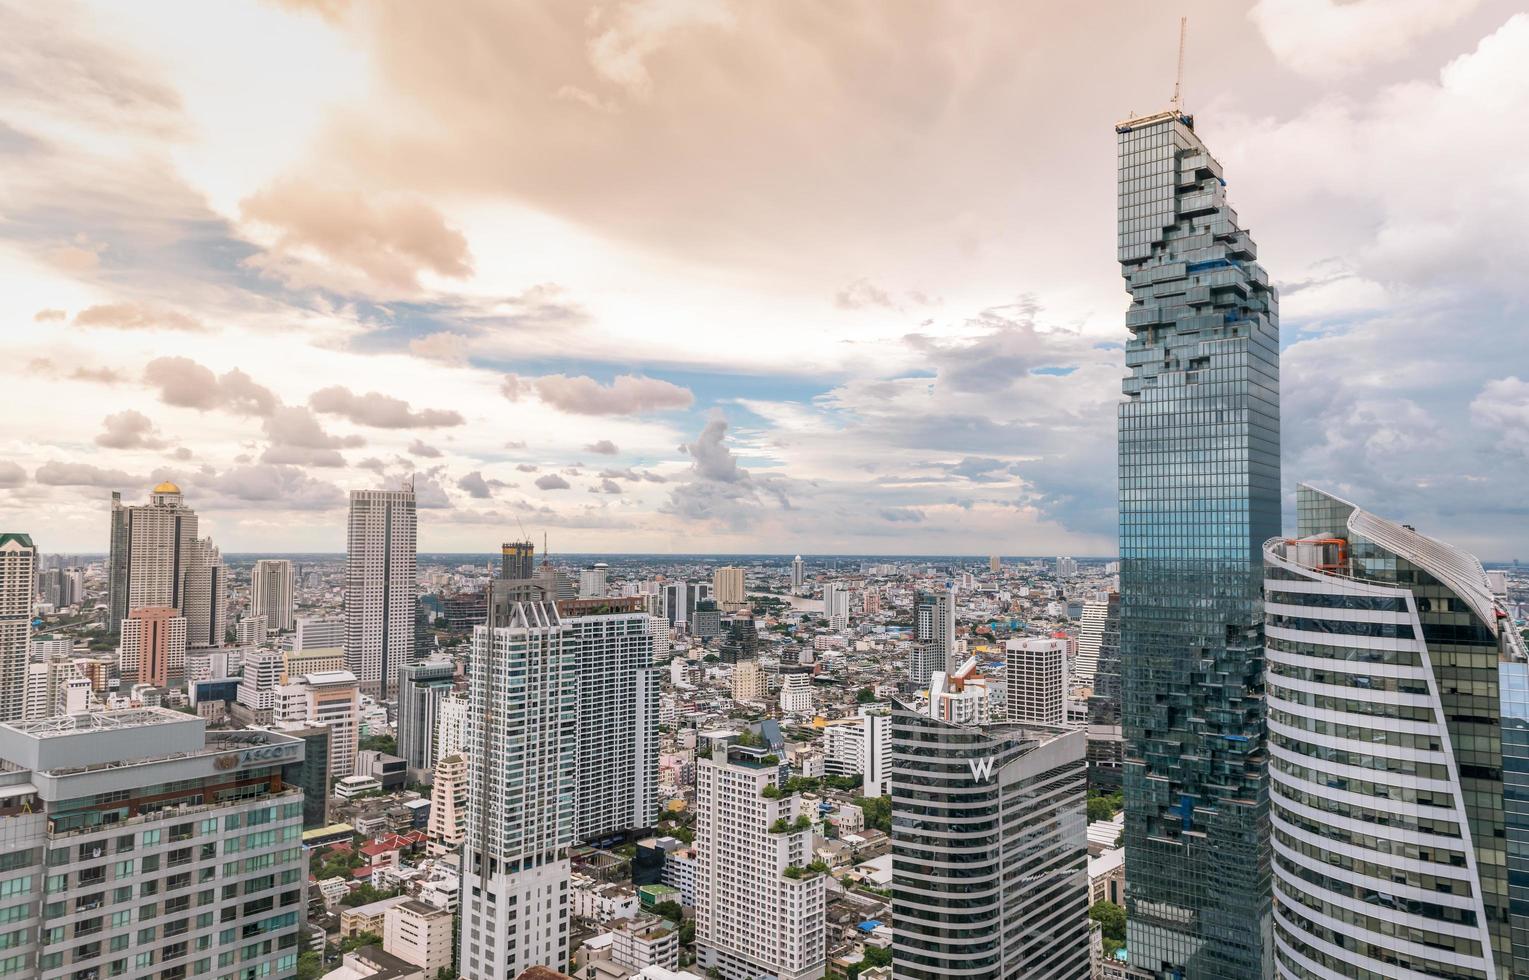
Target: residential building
(934, 636)
(150, 846)
(521, 754)
(370, 917)
(1096, 613)
(1066, 568)
(381, 586)
(18, 562)
(706, 620)
(420, 934)
(325, 632)
(994, 564)
(836, 605)
(798, 575)
(451, 725)
(759, 910)
(1199, 494)
(962, 697)
(617, 786)
(46, 682)
(517, 559)
(727, 588)
(332, 699)
(748, 681)
(264, 671)
(150, 545)
(421, 687)
(989, 851)
(251, 631)
(204, 596)
(1398, 693)
(153, 647)
(313, 660)
(448, 804)
(592, 581)
(644, 940)
(1035, 681)
(876, 759)
(272, 593)
(795, 689)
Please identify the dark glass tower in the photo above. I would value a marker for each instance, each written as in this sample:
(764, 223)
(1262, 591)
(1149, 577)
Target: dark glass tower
(1199, 494)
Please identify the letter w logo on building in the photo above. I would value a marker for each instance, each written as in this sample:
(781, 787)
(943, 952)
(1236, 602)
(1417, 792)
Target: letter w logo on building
(982, 769)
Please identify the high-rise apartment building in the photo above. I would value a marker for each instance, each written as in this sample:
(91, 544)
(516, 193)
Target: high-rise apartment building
(1105, 753)
(934, 636)
(204, 596)
(517, 559)
(795, 689)
(322, 632)
(521, 757)
(152, 649)
(447, 825)
(617, 786)
(1066, 567)
(592, 580)
(989, 851)
(1199, 494)
(1398, 691)
(18, 561)
(451, 725)
(836, 605)
(1090, 636)
(381, 585)
(1035, 681)
(994, 564)
(963, 697)
(139, 844)
(798, 575)
(272, 592)
(759, 910)
(250, 631)
(748, 681)
(149, 547)
(727, 588)
(421, 688)
(332, 699)
(263, 672)
(46, 684)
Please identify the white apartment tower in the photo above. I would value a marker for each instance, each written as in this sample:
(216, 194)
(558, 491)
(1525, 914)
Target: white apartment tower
(1096, 613)
(1035, 681)
(617, 786)
(150, 545)
(592, 580)
(521, 758)
(795, 690)
(798, 575)
(319, 632)
(381, 586)
(271, 593)
(934, 636)
(330, 698)
(836, 605)
(204, 596)
(18, 563)
(759, 911)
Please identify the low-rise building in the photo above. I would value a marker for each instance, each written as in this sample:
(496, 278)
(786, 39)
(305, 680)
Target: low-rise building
(418, 933)
(367, 918)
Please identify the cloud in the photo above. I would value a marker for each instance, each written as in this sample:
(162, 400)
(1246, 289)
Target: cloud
(429, 494)
(627, 394)
(901, 515)
(1329, 38)
(129, 430)
(423, 449)
(604, 447)
(185, 383)
(446, 347)
(135, 316)
(11, 474)
(380, 411)
(372, 463)
(47, 316)
(633, 32)
(527, 468)
(273, 487)
(551, 481)
(719, 490)
(296, 437)
(1502, 408)
(475, 485)
(353, 241)
(60, 474)
(712, 459)
(605, 486)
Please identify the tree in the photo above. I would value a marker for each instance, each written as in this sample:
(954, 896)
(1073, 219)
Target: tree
(865, 695)
(358, 940)
(877, 956)
(670, 910)
(366, 894)
(310, 965)
(379, 743)
(1111, 919)
(1099, 809)
(878, 812)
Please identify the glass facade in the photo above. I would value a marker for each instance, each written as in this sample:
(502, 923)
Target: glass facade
(1199, 494)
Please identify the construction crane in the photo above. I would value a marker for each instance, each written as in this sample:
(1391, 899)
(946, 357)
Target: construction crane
(1178, 79)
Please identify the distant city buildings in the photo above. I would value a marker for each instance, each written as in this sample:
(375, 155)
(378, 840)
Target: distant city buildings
(798, 575)
(934, 636)
(836, 605)
(795, 689)
(727, 588)
(272, 593)
(517, 559)
(380, 586)
(1105, 749)
(1066, 568)
(204, 596)
(592, 581)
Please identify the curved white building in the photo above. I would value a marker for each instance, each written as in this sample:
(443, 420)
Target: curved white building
(1385, 752)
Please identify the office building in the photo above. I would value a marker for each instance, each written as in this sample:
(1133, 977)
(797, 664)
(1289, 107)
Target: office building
(1096, 613)
(592, 580)
(326, 632)
(447, 826)
(204, 596)
(250, 631)
(150, 545)
(1035, 681)
(381, 585)
(617, 786)
(18, 561)
(706, 620)
(271, 593)
(740, 638)
(1105, 754)
(421, 687)
(989, 851)
(263, 672)
(759, 911)
(522, 758)
(1398, 694)
(140, 844)
(934, 636)
(1199, 494)
(861, 746)
(748, 681)
(836, 605)
(331, 699)
(313, 775)
(152, 649)
(46, 682)
(798, 575)
(795, 689)
(727, 588)
(517, 559)
(418, 934)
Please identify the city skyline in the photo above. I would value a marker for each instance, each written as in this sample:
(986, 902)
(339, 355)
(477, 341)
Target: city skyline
(236, 288)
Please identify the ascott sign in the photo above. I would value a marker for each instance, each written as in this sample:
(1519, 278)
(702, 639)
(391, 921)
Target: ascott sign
(255, 756)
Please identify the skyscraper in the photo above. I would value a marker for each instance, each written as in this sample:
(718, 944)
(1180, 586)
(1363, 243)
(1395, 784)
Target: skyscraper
(1398, 707)
(727, 587)
(1090, 636)
(381, 584)
(153, 647)
(989, 851)
(18, 558)
(798, 575)
(1199, 494)
(150, 544)
(421, 687)
(521, 756)
(271, 592)
(836, 605)
(1105, 753)
(204, 596)
(517, 559)
(934, 636)
(592, 580)
(1035, 680)
(617, 786)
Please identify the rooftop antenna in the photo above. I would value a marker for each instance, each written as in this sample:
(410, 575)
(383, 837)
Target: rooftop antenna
(1178, 80)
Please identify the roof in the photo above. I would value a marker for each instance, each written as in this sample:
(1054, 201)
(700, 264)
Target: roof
(166, 487)
(25, 540)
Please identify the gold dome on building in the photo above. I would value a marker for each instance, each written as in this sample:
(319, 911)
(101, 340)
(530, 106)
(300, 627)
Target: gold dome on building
(166, 487)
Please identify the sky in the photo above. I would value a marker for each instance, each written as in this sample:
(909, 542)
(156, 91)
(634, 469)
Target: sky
(711, 276)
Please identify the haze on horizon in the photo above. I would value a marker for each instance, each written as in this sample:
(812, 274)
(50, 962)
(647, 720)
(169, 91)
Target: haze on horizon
(662, 276)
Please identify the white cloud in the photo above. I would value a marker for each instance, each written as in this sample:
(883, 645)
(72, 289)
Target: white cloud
(1330, 38)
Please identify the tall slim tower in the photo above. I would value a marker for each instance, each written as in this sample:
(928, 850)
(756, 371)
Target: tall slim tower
(18, 559)
(271, 591)
(798, 575)
(204, 595)
(521, 755)
(1199, 494)
(934, 636)
(381, 584)
(150, 545)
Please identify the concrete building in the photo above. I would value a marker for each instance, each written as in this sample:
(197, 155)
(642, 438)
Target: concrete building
(204, 596)
(250, 631)
(448, 804)
(420, 934)
(934, 636)
(381, 587)
(617, 786)
(153, 647)
(795, 689)
(989, 851)
(644, 940)
(264, 671)
(149, 846)
(18, 563)
(272, 593)
(1035, 681)
(592, 581)
(727, 588)
(748, 682)
(331, 699)
(521, 755)
(798, 575)
(517, 560)
(1066, 568)
(836, 605)
(1091, 627)
(325, 632)
(46, 683)
(150, 546)
(421, 688)
(961, 698)
(451, 725)
(759, 911)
